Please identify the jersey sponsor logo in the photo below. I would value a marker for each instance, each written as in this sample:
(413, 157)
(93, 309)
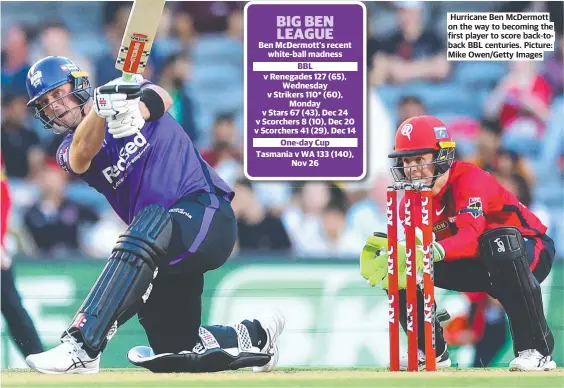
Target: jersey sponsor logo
(440, 226)
(128, 154)
(406, 131)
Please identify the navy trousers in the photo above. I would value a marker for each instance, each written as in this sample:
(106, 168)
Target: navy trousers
(203, 237)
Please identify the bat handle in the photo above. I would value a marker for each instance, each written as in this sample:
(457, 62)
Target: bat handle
(127, 77)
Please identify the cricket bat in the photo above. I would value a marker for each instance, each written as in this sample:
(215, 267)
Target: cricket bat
(138, 37)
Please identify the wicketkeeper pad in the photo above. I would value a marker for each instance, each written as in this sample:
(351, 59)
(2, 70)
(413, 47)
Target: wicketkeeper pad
(517, 289)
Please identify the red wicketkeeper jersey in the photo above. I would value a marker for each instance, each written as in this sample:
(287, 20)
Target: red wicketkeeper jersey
(472, 202)
(5, 202)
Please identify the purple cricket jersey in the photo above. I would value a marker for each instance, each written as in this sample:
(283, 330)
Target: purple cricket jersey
(159, 165)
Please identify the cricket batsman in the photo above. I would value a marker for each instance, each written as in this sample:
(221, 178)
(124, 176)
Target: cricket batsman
(485, 240)
(122, 142)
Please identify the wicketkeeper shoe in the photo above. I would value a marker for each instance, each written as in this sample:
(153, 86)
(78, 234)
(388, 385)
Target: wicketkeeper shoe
(273, 324)
(443, 361)
(68, 357)
(531, 360)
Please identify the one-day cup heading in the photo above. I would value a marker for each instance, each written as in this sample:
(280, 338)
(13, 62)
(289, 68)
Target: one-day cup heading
(305, 90)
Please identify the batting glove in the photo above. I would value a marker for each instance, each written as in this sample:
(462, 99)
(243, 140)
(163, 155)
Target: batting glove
(118, 102)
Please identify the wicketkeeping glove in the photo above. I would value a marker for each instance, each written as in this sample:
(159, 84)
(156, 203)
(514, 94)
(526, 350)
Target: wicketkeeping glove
(436, 249)
(374, 261)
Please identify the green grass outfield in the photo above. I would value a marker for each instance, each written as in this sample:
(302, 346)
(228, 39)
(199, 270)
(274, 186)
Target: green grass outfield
(291, 377)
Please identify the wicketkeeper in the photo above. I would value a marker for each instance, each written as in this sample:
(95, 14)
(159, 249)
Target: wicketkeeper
(124, 144)
(485, 240)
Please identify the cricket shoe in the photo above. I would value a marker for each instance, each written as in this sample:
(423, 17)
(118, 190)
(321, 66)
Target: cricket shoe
(531, 360)
(443, 361)
(67, 358)
(273, 324)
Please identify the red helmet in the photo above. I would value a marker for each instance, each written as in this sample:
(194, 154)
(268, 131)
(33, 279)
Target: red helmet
(422, 135)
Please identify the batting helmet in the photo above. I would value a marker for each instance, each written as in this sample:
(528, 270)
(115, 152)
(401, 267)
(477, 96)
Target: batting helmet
(48, 74)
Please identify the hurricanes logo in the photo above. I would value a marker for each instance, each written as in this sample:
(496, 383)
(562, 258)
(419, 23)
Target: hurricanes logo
(406, 130)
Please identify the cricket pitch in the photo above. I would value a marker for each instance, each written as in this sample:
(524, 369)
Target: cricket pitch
(291, 377)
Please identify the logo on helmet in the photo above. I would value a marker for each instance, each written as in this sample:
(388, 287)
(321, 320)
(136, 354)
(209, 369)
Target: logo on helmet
(69, 67)
(35, 78)
(441, 132)
(406, 130)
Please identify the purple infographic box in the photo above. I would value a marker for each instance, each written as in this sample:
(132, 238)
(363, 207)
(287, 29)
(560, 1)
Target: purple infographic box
(305, 90)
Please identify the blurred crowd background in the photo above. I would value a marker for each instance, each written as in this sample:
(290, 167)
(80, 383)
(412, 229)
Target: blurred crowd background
(507, 118)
